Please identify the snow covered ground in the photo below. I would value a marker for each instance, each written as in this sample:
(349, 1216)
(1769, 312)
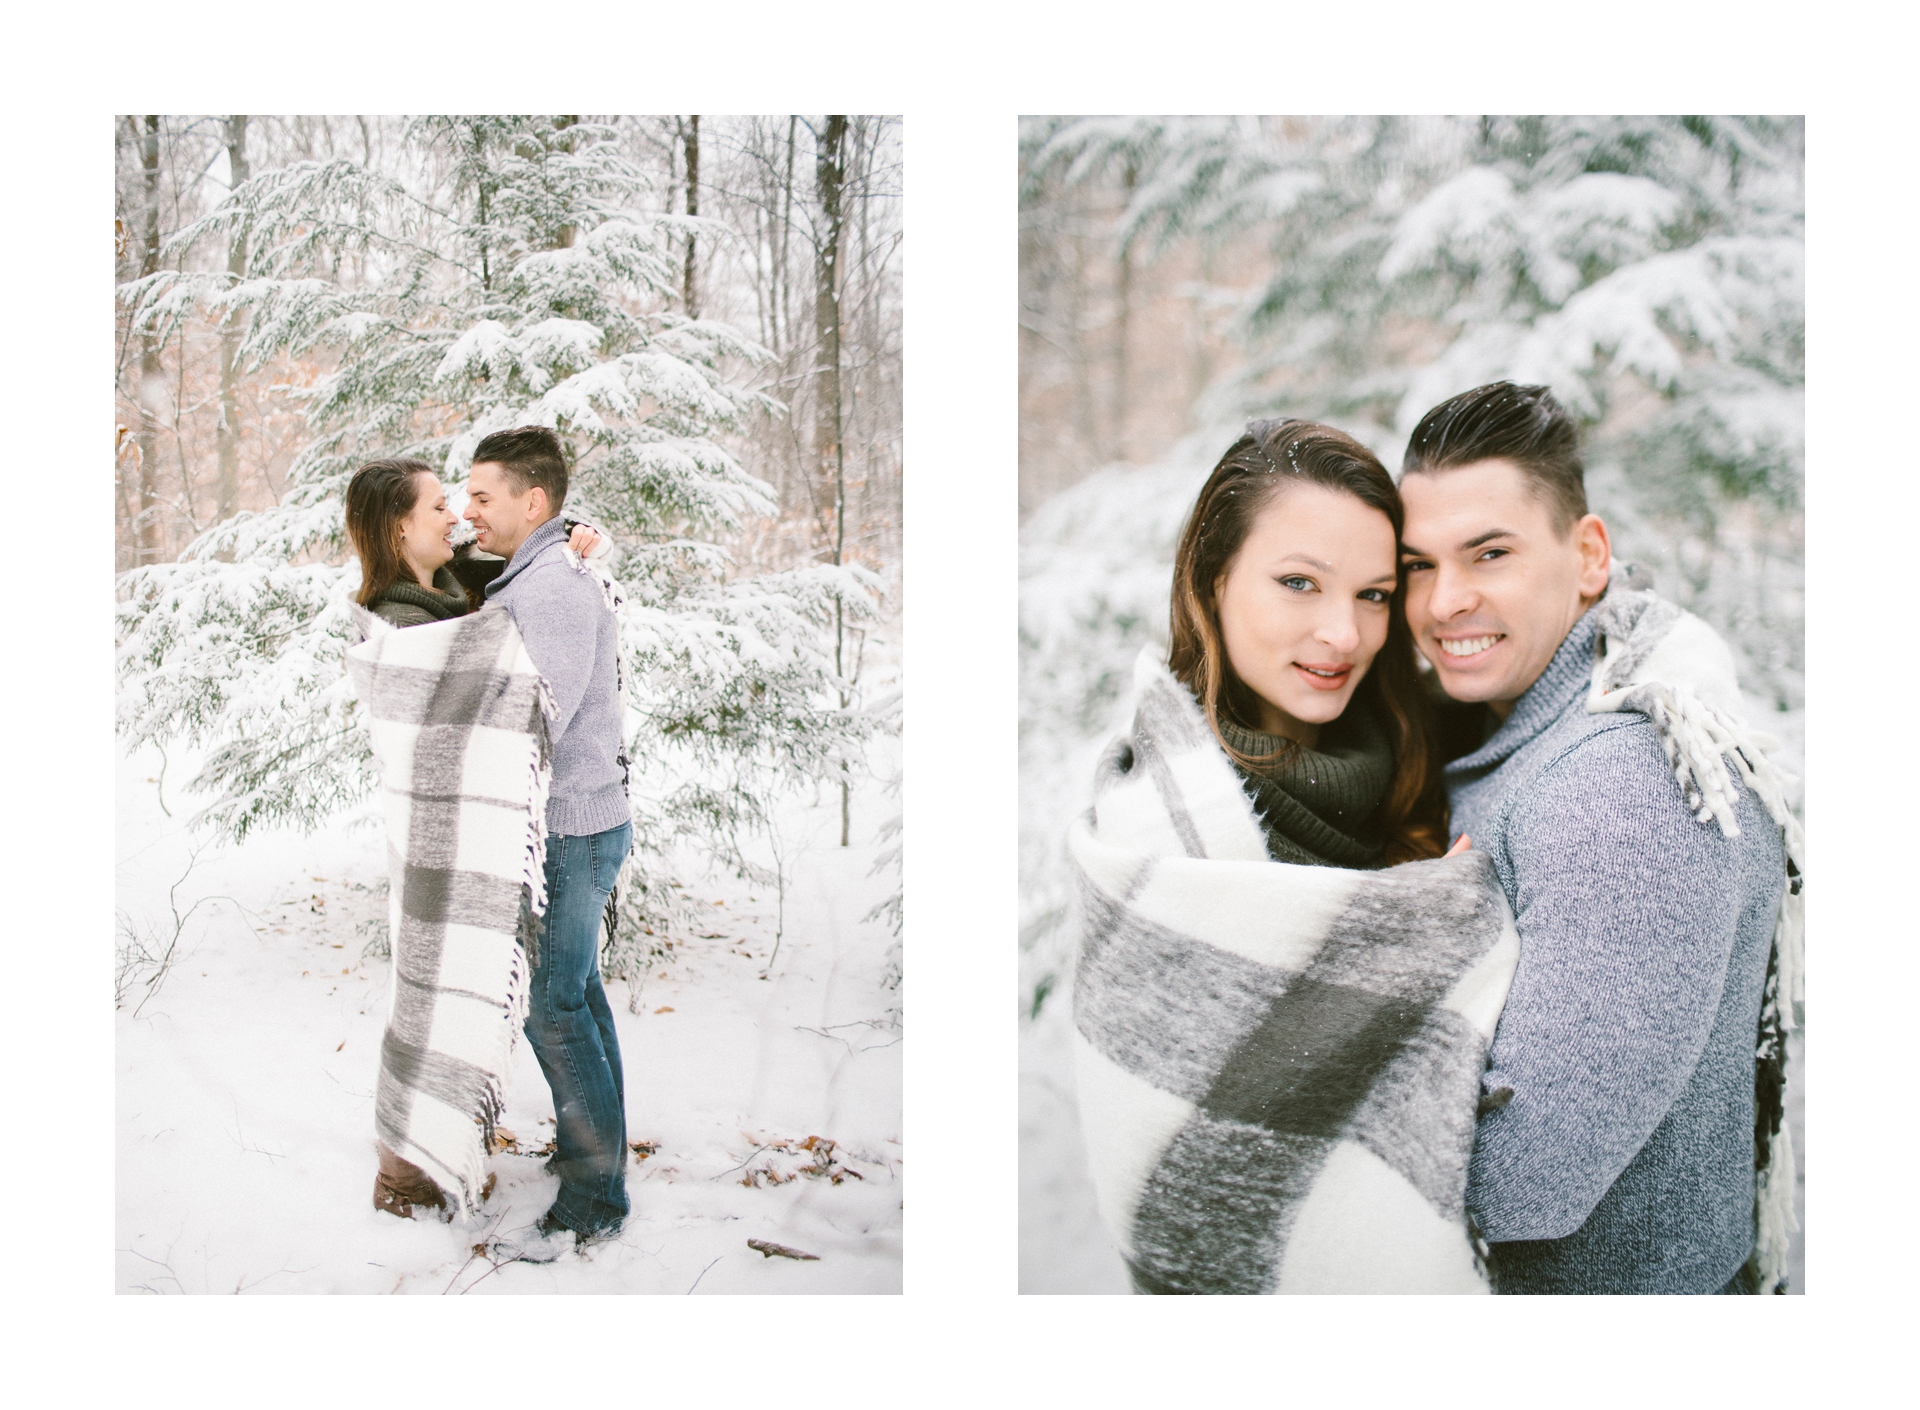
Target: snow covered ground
(244, 1084)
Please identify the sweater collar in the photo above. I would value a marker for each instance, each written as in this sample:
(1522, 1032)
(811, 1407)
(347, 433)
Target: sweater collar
(551, 532)
(1323, 801)
(446, 598)
(1564, 681)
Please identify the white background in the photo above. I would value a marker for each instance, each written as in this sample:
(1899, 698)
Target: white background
(960, 76)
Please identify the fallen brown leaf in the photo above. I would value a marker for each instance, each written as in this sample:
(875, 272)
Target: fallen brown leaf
(768, 1250)
(343, 1043)
(664, 1008)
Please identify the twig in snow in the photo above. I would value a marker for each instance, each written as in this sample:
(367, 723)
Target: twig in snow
(162, 1263)
(240, 1139)
(703, 1273)
(780, 882)
(160, 783)
(822, 1033)
(478, 1250)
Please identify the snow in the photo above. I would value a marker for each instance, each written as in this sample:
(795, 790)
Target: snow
(1460, 216)
(243, 1126)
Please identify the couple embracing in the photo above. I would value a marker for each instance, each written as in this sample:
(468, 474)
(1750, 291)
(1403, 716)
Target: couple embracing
(496, 721)
(1465, 979)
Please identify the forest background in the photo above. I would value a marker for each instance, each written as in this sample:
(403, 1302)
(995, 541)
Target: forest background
(711, 316)
(1181, 275)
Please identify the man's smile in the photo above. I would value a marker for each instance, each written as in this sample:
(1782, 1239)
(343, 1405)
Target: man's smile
(1464, 648)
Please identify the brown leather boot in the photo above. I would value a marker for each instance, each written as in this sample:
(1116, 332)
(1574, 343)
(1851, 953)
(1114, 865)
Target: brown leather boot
(399, 1185)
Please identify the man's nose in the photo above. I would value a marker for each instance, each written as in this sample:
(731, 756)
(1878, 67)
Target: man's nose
(1451, 594)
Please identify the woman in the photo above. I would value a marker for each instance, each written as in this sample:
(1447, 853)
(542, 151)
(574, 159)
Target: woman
(400, 527)
(1285, 630)
(1279, 1064)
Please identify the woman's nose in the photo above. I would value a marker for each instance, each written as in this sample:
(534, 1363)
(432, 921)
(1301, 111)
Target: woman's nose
(1339, 631)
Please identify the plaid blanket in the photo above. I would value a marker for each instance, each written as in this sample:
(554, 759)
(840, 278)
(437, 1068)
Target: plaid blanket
(1279, 1065)
(458, 717)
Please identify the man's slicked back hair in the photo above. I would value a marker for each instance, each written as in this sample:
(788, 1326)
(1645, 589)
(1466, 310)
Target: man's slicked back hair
(530, 455)
(1501, 421)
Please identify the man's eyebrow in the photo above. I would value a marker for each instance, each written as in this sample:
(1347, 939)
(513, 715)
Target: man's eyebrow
(1407, 550)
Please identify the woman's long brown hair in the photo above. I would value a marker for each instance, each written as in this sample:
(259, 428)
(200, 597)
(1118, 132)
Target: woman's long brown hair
(380, 495)
(1271, 456)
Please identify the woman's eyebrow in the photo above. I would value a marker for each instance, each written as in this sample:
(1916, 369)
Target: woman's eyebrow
(1307, 558)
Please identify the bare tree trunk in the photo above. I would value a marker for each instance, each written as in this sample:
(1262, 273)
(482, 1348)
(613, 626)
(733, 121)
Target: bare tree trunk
(151, 385)
(1119, 444)
(829, 448)
(693, 204)
(228, 427)
(829, 173)
(786, 229)
(563, 239)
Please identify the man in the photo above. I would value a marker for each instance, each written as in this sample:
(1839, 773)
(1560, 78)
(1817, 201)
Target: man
(1615, 1153)
(515, 490)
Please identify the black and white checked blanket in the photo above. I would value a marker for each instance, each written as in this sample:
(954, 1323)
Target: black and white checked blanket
(1278, 1065)
(458, 716)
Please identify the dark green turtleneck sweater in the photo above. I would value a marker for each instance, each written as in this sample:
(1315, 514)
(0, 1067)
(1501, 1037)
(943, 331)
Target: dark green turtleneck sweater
(1320, 806)
(407, 604)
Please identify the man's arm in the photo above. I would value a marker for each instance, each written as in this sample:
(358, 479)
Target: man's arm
(1627, 910)
(558, 613)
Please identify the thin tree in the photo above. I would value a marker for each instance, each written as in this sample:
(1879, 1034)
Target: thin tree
(150, 383)
(830, 173)
(693, 206)
(229, 424)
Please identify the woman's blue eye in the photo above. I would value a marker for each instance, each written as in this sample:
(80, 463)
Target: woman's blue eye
(1298, 584)
(1373, 594)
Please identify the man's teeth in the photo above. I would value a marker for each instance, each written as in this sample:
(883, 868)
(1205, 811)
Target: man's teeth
(1472, 646)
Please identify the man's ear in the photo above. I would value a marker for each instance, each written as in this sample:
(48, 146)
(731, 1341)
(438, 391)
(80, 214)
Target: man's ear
(537, 507)
(1596, 556)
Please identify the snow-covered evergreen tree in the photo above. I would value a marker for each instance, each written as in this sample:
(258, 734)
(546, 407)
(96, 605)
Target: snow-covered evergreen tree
(1649, 270)
(515, 275)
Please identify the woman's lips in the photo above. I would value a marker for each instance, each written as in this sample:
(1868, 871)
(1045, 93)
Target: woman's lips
(1329, 676)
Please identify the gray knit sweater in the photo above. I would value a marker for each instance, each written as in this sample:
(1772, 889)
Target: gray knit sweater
(1623, 1162)
(572, 637)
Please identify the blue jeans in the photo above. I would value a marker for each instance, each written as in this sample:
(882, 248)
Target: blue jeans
(571, 1030)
